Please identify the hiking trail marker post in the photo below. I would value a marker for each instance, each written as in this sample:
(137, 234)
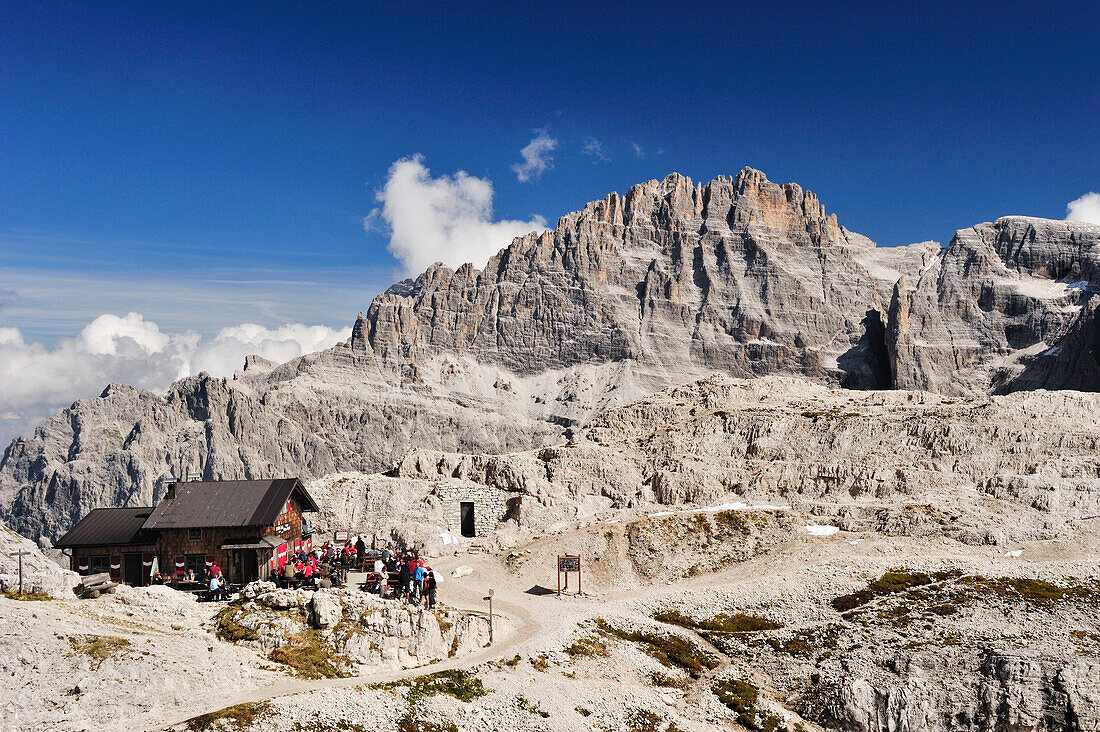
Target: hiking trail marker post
(21, 553)
(569, 563)
(489, 597)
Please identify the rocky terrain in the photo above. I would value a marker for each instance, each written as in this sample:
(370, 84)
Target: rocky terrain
(631, 295)
(760, 554)
(979, 470)
(855, 631)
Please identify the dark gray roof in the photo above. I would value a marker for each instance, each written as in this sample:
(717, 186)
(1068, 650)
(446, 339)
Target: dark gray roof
(225, 503)
(107, 527)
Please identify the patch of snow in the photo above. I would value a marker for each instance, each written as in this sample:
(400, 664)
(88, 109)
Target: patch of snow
(820, 530)
(1049, 289)
(935, 260)
(722, 507)
(855, 541)
(1014, 553)
(449, 538)
(462, 571)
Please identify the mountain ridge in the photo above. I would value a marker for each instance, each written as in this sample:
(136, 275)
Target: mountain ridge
(629, 295)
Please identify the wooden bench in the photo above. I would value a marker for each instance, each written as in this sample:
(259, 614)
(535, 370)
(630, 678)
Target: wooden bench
(94, 585)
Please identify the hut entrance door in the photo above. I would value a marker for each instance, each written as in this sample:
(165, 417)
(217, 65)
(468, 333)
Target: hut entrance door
(466, 512)
(131, 569)
(250, 566)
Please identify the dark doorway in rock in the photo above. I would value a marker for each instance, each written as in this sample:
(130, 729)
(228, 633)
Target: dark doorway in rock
(466, 513)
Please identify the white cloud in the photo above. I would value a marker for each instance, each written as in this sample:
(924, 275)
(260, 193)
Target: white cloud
(1086, 208)
(536, 157)
(446, 219)
(594, 149)
(638, 151)
(35, 381)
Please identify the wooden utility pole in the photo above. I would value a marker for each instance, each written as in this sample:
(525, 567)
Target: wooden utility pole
(22, 553)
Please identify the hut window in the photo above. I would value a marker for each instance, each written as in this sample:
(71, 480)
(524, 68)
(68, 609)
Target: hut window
(100, 564)
(194, 534)
(196, 565)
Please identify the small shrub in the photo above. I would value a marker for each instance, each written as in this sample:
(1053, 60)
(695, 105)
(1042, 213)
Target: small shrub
(540, 662)
(531, 707)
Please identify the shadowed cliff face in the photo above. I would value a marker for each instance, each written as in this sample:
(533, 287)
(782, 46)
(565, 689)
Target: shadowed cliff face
(630, 295)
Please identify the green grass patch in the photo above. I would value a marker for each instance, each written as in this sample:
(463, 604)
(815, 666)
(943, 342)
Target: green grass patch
(741, 696)
(721, 623)
(98, 647)
(27, 596)
(227, 625)
(412, 722)
(590, 646)
(462, 685)
(309, 657)
(240, 716)
(669, 650)
(891, 583)
(808, 641)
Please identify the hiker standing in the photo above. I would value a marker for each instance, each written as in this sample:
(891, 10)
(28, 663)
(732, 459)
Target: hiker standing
(429, 585)
(361, 552)
(403, 580)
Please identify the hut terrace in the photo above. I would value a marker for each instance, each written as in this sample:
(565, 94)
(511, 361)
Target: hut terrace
(248, 527)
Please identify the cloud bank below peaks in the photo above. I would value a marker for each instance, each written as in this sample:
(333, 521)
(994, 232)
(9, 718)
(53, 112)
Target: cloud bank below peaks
(447, 219)
(36, 381)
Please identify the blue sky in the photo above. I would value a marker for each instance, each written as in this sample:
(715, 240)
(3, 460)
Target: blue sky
(211, 164)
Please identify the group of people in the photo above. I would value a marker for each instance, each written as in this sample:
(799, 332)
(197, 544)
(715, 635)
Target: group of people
(311, 567)
(215, 581)
(415, 580)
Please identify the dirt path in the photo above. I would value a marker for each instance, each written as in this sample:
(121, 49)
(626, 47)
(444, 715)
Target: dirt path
(524, 627)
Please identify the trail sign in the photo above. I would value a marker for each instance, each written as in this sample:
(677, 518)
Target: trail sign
(566, 564)
(569, 564)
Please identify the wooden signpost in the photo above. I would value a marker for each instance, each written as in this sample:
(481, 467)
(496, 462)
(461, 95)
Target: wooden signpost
(569, 563)
(21, 553)
(489, 597)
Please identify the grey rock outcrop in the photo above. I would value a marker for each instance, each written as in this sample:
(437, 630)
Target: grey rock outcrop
(359, 631)
(628, 296)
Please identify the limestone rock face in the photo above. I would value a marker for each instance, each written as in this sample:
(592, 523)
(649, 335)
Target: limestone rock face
(983, 470)
(630, 295)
